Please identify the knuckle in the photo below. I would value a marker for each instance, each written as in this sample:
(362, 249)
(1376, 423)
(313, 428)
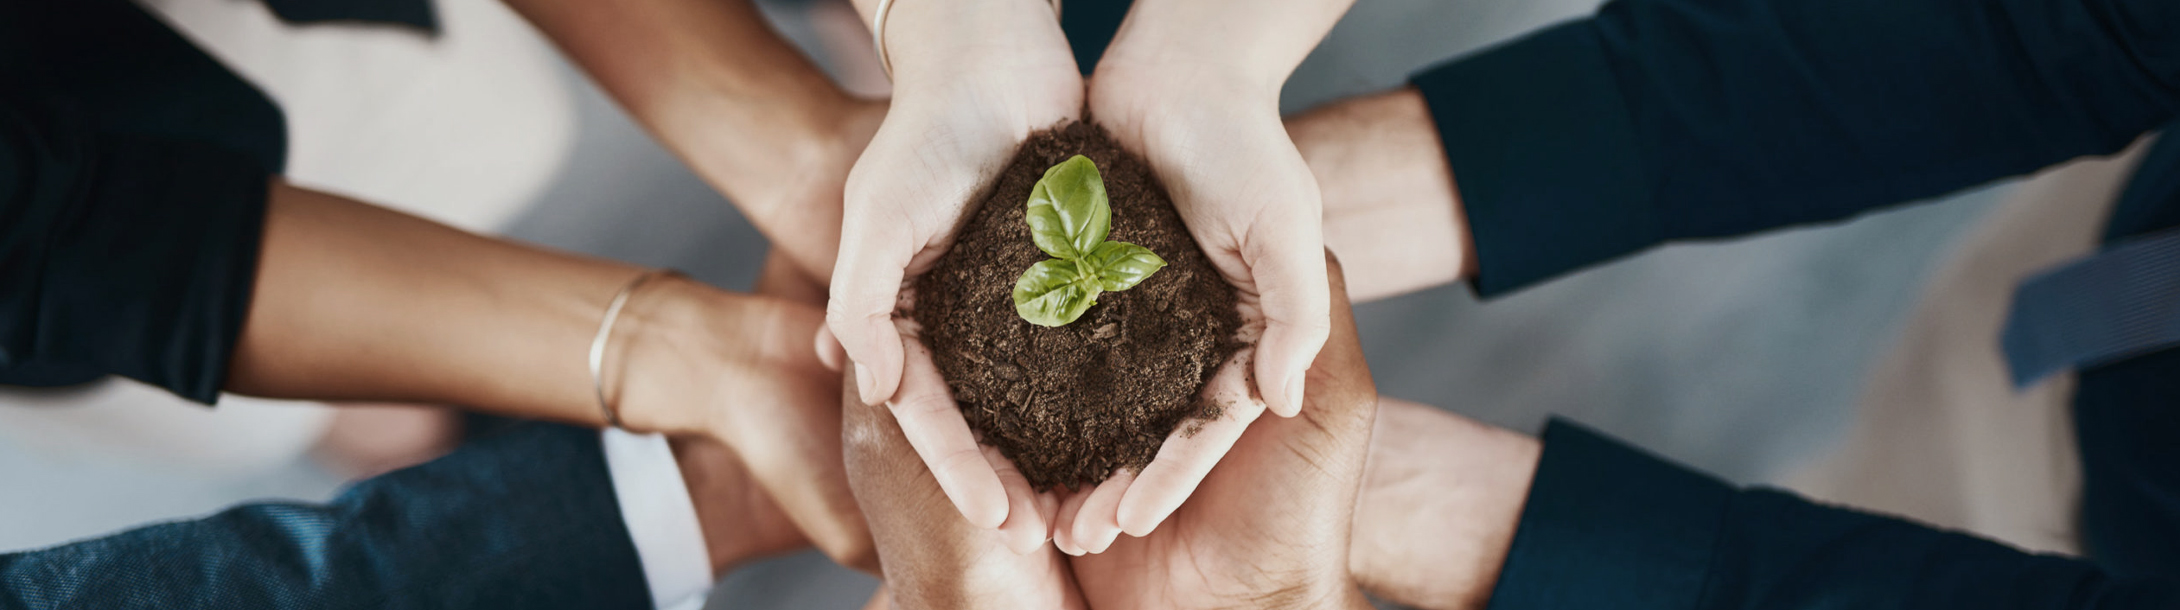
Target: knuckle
(965, 459)
(921, 405)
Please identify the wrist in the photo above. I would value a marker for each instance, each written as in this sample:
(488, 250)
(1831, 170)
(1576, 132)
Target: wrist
(1391, 207)
(654, 368)
(734, 518)
(1259, 42)
(1441, 500)
(752, 148)
(930, 42)
(1181, 93)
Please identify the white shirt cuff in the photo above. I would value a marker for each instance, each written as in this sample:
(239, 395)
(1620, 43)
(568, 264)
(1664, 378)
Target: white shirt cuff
(661, 518)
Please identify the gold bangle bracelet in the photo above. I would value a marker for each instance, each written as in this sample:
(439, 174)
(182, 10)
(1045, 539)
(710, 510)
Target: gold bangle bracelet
(605, 332)
(878, 32)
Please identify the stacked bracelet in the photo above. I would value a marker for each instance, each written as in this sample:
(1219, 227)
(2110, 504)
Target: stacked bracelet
(878, 32)
(605, 331)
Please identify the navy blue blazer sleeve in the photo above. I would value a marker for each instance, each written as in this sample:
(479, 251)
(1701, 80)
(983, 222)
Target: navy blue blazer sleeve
(1608, 526)
(523, 519)
(1658, 120)
(121, 254)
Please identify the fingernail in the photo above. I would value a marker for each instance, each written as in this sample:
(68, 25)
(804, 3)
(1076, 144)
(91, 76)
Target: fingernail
(827, 353)
(1294, 392)
(864, 384)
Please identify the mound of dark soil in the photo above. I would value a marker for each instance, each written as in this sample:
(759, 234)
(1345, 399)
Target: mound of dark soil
(1071, 404)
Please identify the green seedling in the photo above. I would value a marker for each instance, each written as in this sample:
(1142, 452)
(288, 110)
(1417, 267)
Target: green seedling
(1069, 216)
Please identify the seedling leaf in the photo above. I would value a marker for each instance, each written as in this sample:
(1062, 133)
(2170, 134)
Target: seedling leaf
(1122, 265)
(1054, 292)
(1068, 210)
(1069, 217)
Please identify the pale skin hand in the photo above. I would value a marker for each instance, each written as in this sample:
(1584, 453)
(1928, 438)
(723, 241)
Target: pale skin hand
(1391, 207)
(972, 79)
(1194, 86)
(355, 302)
(1271, 526)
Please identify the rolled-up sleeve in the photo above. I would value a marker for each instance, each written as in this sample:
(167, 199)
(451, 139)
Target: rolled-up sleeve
(122, 254)
(1660, 120)
(1608, 526)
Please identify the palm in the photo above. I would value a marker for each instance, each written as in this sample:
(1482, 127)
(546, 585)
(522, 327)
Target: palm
(941, 142)
(936, 148)
(1251, 204)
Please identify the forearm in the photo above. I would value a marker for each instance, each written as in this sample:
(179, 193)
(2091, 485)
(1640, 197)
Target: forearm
(709, 78)
(522, 519)
(1257, 43)
(1604, 520)
(936, 46)
(358, 302)
(1390, 207)
(1659, 120)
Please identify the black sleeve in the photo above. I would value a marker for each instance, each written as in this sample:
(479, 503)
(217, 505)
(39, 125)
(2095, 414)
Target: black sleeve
(524, 519)
(1607, 526)
(121, 254)
(1659, 120)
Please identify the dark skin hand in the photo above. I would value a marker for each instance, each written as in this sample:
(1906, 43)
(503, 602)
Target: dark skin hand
(1439, 501)
(1269, 527)
(931, 557)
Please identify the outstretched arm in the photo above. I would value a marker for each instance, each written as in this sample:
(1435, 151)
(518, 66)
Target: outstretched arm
(527, 518)
(748, 112)
(1658, 120)
(1455, 514)
(358, 302)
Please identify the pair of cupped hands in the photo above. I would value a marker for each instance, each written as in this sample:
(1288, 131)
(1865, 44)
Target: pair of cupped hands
(954, 526)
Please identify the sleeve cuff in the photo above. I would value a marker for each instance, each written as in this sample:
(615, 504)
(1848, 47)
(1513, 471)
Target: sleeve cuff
(661, 519)
(1609, 526)
(1543, 150)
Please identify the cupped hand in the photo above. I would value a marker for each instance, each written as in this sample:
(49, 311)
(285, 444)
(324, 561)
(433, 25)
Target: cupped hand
(930, 556)
(1216, 141)
(1271, 526)
(972, 79)
(742, 365)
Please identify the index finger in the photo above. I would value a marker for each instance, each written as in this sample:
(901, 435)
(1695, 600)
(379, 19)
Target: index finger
(933, 424)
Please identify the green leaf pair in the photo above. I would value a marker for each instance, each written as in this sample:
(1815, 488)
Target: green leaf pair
(1069, 216)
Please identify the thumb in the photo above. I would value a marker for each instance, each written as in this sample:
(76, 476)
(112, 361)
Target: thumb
(1286, 261)
(866, 285)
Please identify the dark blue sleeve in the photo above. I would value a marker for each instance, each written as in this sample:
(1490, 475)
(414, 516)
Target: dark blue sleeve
(121, 254)
(1608, 526)
(1658, 120)
(133, 176)
(524, 519)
